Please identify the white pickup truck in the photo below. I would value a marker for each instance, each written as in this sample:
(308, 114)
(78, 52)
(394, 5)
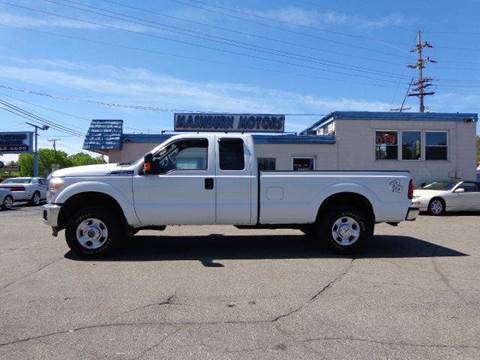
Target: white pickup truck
(213, 178)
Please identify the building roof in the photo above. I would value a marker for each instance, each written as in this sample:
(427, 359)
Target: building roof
(293, 139)
(389, 116)
(104, 135)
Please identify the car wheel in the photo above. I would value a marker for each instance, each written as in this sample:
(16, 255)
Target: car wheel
(436, 207)
(7, 203)
(35, 199)
(93, 232)
(345, 229)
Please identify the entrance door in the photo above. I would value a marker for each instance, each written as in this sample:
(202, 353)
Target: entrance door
(182, 190)
(233, 182)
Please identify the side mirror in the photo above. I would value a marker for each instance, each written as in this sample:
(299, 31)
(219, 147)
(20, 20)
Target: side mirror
(147, 164)
(460, 190)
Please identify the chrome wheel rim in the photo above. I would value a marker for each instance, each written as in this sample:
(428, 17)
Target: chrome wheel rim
(436, 207)
(92, 233)
(346, 231)
(8, 202)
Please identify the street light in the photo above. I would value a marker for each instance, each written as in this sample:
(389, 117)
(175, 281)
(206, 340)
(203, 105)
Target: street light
(35, 154)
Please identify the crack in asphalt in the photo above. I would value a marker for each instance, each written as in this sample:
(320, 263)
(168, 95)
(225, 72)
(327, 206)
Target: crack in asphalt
(318, 293)
(168, 301)
(446, 280)
(391, 343)
(154, 346)
(30, 273)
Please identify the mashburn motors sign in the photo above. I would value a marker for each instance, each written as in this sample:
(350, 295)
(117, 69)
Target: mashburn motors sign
(230, 122)
(16, 142)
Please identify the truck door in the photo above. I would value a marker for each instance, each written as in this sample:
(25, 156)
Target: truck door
(233, 182)
(181, 189)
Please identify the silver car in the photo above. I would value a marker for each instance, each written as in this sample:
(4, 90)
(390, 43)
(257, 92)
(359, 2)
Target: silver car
(6, 199)
(442, 196)
(31, 189)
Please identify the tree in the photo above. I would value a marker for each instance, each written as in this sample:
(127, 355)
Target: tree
(50, 160)
(85, 159)
(478, 149)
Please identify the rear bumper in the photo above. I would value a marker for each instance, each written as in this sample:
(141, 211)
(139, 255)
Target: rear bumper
(50, 214)
(412, 213)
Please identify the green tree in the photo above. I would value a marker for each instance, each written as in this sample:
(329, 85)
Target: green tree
(49, 160)
(85, 159)
(478, 149)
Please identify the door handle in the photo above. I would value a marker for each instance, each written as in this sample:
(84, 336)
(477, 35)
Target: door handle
(208, 183)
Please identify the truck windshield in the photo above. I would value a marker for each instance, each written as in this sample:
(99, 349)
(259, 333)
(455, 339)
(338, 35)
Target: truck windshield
(440, 185)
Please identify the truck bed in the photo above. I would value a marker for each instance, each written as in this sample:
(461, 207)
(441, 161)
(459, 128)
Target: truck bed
(295, 197)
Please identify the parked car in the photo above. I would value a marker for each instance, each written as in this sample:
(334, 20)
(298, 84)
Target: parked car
(31, 189)
(205, 179)
(6, 199)
(441, 196)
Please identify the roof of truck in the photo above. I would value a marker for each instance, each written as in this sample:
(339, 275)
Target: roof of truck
(389, 116)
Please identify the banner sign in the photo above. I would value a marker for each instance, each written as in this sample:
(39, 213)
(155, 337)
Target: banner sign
(230, 122)
(16, 142)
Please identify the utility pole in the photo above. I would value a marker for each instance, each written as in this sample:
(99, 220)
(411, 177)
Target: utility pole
(421, 83)
(54, 141)
(35, 154)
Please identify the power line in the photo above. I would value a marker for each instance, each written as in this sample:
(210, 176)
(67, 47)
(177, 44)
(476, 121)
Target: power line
(254, 35)
(222, 40)
(38, 119)
(213, 9)
(199, 45)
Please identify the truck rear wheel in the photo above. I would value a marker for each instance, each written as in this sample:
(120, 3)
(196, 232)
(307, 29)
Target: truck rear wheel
(345, 229)
(93, 232)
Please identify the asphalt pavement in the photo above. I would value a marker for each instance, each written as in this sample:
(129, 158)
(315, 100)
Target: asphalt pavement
(221, 293)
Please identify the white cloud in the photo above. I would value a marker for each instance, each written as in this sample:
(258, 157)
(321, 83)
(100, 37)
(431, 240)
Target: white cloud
(308, 17)
(144, 87)
(27, 22)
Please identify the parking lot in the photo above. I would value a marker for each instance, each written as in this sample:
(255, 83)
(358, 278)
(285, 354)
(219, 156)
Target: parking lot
(222, 293)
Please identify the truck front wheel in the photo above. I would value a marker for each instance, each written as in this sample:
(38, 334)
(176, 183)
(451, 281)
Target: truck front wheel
(93, 232)
(345, 229)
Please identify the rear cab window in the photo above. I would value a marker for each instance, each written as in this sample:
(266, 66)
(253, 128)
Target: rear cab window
(232, 155)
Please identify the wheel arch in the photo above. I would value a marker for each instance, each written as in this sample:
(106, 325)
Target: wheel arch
(89, 199)
(348, 198)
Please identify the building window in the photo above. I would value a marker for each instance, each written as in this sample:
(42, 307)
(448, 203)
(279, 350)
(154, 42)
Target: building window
(231, 154)
(303, 164)
(386, 145)
(328, 129)
(266, 164)
(436, 147)
(411, 145)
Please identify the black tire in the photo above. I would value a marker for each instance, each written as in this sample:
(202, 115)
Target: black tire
(436, 207)
(36, 199)
(107, 244)
(7, 203)
(348, 221)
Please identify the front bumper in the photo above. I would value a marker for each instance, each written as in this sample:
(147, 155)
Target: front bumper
(412, 213)
(50, 214)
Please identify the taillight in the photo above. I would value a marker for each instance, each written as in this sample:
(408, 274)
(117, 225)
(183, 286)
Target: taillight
(17, 188)
(411, 187)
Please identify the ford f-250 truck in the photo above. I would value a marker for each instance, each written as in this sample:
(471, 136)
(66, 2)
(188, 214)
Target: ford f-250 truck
(212, 178)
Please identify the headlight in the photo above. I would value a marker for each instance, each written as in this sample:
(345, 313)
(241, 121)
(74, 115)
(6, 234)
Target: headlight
(55, 184)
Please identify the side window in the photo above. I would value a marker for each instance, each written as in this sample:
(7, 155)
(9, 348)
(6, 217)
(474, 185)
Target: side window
(266, 164)
(386, 145)
(303, 164)
(411, 145)
(436, 147)
(469, 186)
(231, 154)
(191, 154)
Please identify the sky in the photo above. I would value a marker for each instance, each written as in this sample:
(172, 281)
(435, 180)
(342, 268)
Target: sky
(70, 61)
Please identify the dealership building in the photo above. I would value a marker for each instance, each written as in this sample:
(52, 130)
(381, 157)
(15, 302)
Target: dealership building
(432, 146)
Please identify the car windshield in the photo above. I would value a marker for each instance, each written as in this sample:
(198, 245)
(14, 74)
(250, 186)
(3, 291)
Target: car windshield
(440, 185)
(18, 181)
